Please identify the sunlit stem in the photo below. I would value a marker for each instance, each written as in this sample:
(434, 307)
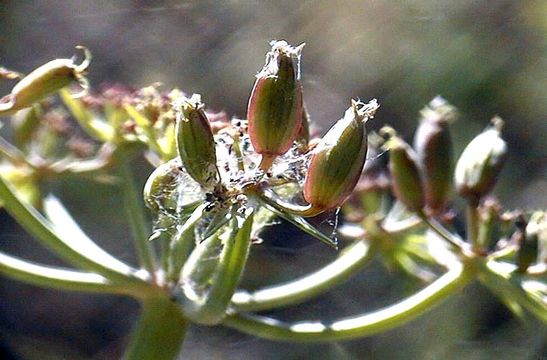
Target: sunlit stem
(357, 326)
(350, 261)
(457, 243)
(62, 279)
(85, 255)
(11, 153)
(237, 149)
(501, 278)
(267, 196)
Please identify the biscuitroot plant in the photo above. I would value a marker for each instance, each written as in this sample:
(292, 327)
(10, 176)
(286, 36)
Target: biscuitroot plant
(218, 182)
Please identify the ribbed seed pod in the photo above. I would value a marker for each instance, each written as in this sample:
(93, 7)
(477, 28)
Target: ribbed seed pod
(480, 163)
(44, 81)
(434, 153)
(275, 105)
(405, 176)
(195, 142)
(338, 159)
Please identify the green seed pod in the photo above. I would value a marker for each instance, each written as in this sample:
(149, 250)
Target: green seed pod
(405, 176)
(434, 153)
(480, 163)
(528, 243)
(45, 81)
(195, 142)
(275, 105)
(338, 160)
(159, 190)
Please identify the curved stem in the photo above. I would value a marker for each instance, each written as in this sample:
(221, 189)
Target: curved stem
(453, 240)
(83, 254)
(63, 279)
(268, 197)
(137, 219)
(357, 326)
(12, 154)
(159, 333)
(353, 259)
(296, 220)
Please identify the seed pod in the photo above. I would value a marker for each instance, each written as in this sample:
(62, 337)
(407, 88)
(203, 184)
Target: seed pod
(434, 153)
(159, 191)
(275, 105)
(528, 242)
(338, 160)
(405, 176)
(480, 163)
(44, 81)
(195, 142)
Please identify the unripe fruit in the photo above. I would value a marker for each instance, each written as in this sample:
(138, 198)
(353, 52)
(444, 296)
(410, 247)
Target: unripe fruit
(275, 105)
(434, 153)
(405, 176)
(338, 160)
(480, 163)
(195, 142)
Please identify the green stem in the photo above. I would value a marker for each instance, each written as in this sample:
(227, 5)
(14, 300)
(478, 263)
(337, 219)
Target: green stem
(503, 282)
(137, 219)
(352, 260)
(159, 333)
(296, 220)
(86, 255)
(472, 222)
(11, 153)
(211, 308)
(62, 279)
(452, 239)
(357, 326)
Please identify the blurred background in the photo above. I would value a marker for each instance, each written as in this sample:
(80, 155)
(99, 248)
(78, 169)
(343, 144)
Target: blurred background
(487, 58)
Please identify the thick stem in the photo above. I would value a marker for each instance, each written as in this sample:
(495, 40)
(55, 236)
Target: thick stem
(159, 333)
(358, 326)
(353, 259)
(137, 219)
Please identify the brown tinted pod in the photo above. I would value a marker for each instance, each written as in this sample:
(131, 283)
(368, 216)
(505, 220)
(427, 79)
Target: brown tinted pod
(405, 176)
(434, 153)
(481, 161)
(195, 142)
(338, 159)
(275, 105)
